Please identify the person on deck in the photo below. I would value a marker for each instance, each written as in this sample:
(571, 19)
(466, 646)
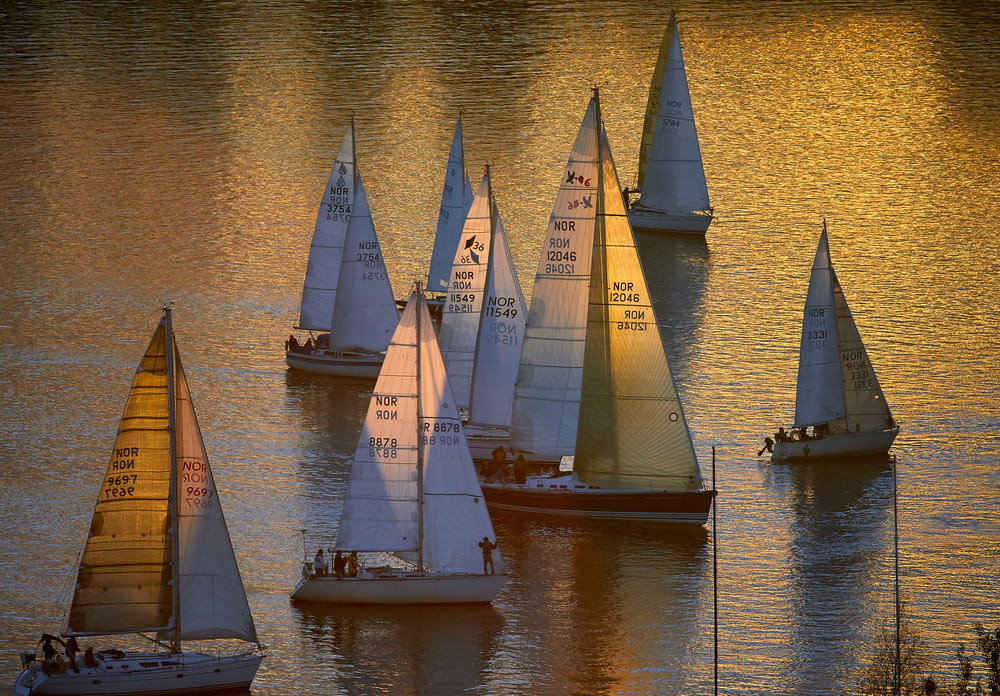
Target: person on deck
(352, 564)
(319, 564)
(339, 564)
(487, 546)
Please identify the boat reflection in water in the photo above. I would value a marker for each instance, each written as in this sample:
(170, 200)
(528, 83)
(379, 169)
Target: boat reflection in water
(840, 515)
(601, 601)
(406, 649)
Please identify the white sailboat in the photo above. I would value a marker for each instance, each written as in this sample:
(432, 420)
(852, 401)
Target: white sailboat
(347, 296)
(158, 558)
(594, 382)
(482, 325)
(671, 194)
(414, 509)
(838, 394)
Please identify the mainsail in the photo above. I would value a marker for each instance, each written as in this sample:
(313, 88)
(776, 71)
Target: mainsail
(413, 489)
(482, 320)
(319, 290)
(456, 197)
(463, 301)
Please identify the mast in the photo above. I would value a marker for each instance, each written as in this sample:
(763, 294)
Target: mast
(418, 297)
(897, 666)
(168, 349)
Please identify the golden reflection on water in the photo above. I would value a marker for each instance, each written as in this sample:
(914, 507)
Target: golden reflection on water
(179, 153)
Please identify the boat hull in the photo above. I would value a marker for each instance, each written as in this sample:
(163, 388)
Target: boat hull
(690, 507)
(333, 363)
(647, 219)
(400, 588)
(835, 446)
(145, 673)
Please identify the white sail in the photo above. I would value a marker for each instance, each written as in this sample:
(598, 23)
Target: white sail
(323, 271)
(820, 389)
(671, 175)
(462, 303)
(632, 433)
(499, 337)
(413, 489)
(212, 600)
(547, 395)
(456, 197)
(364, 313)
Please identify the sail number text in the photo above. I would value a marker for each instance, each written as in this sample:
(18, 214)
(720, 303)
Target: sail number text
(856, 370)
(559, 257)
(338, 209)
(442, 433)
(195, 471)
(118, 483)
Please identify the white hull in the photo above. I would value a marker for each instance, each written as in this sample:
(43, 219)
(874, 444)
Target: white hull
(835, 446)
(336, 363)
(163, 673)
(400, 587)
(661, 221)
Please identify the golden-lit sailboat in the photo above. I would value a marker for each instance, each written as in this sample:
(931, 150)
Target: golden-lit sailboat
(594, 382)
(158, 559)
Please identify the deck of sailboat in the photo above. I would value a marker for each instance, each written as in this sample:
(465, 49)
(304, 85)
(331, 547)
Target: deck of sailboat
(139, 673)
(589, 502)
(395, 586)
(341, 363)
(650, 220)
(837, 446)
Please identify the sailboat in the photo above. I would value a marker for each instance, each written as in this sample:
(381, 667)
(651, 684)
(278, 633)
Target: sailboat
(482, 325)
(594, 382)
(671, 194)
(158, 558)
(347, 296)
(414, 510)
(838, 394)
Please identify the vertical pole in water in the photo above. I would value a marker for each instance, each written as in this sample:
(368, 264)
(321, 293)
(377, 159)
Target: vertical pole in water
(715, 576)
(897, 667)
